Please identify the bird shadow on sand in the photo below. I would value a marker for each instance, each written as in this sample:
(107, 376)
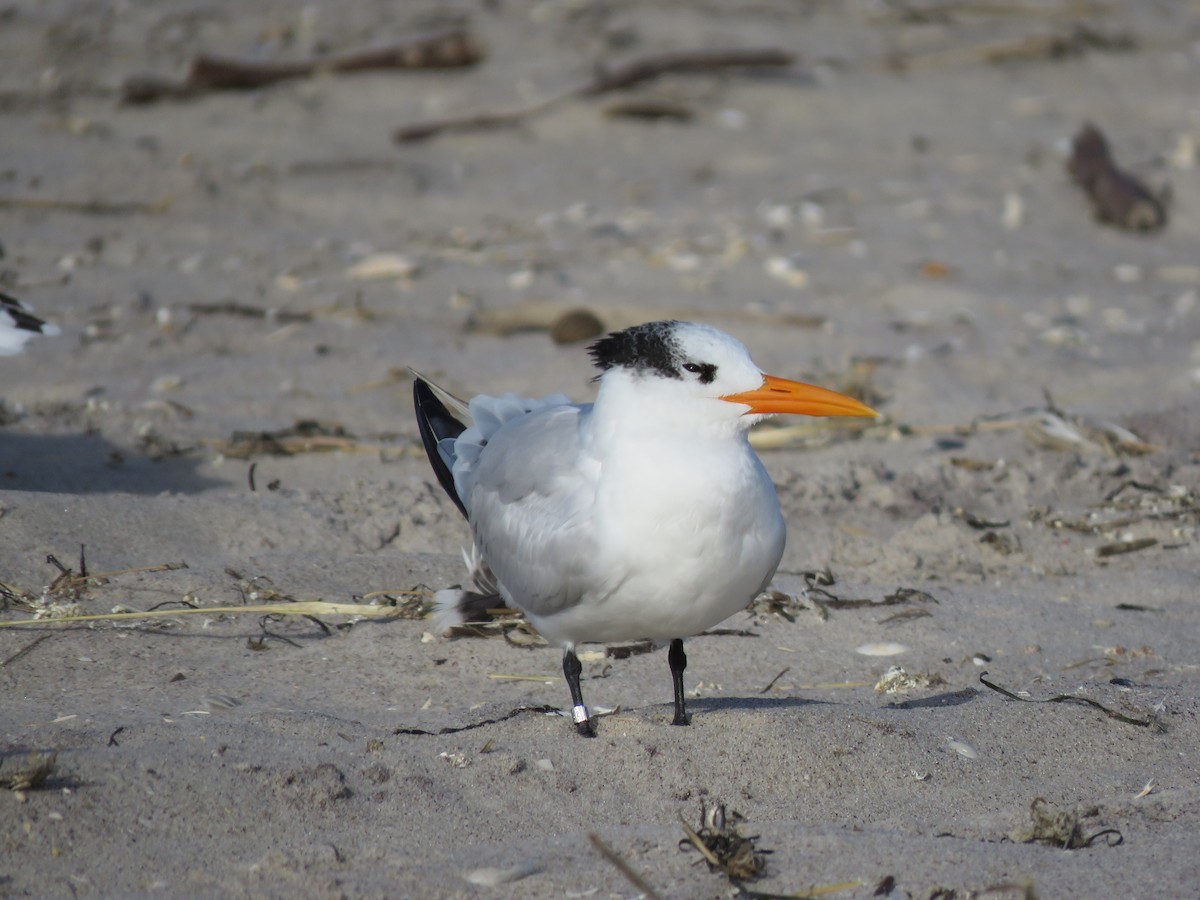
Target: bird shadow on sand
(90, 464)
(938, 701)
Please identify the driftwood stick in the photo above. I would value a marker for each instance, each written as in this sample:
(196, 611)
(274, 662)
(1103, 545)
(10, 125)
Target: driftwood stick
(649, 67)
(421, 131)
(443, 49)
(87, 207)
(616, 78)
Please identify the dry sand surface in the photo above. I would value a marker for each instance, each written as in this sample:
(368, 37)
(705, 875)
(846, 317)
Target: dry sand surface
(891, 213)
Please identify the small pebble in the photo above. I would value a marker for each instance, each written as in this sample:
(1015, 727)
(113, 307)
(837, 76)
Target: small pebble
(1013, 216)
(382, 267)
(1127, 273)
(521, 279)
(787, 271)
(576, 325)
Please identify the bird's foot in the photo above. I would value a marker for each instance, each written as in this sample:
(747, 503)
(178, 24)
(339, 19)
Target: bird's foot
(681, 719)
(583, 722)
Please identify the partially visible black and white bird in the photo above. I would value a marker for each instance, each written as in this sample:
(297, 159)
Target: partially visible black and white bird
(17, 325)
(643, 515)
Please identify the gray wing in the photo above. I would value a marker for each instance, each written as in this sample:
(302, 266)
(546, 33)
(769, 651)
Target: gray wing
(529, 494)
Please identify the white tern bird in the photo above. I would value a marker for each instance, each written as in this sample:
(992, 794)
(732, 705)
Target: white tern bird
(644, 515)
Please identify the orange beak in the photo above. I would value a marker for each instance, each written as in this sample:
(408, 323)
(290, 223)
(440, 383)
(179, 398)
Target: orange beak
(778, 395)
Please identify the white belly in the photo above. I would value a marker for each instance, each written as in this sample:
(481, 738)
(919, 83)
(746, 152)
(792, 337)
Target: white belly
(676, 551)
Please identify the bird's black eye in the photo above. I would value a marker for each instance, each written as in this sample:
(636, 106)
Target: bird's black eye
(705, 372)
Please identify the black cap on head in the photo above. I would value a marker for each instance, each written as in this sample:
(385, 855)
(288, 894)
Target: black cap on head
(652, 346)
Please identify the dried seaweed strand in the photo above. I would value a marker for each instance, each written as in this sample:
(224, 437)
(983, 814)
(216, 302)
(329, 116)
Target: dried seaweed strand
(1068, 698)
(723, 846)
(260, 643)
(451, 729)
(1108, 834)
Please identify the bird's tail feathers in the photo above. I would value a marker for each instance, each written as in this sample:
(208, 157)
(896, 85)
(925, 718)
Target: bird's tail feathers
(460, 606)
(439, 432)
(458, 407)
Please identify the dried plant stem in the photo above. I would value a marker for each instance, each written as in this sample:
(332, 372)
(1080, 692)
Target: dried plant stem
(623, 867)
(295, 608)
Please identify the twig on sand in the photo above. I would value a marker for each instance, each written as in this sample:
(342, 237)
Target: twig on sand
(771, 683)
(442, 49)
(615, 78)
(1074, 42)
(94, 207)
(24, 650)
(246, 311)
(296, 608)
(623, 867)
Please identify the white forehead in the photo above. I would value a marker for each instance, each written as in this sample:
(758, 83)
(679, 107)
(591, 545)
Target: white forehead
(703, 343)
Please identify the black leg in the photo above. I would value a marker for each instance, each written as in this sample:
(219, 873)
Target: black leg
(572, 668)
(677, 659)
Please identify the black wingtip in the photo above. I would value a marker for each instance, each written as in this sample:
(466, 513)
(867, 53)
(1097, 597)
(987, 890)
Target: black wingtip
(436, 423)
(20, 316)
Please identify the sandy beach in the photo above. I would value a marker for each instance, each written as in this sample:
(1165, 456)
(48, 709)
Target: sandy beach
(877, 200)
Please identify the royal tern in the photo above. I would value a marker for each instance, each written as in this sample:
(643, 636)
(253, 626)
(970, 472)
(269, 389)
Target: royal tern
(17, 325)
(643, 515)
